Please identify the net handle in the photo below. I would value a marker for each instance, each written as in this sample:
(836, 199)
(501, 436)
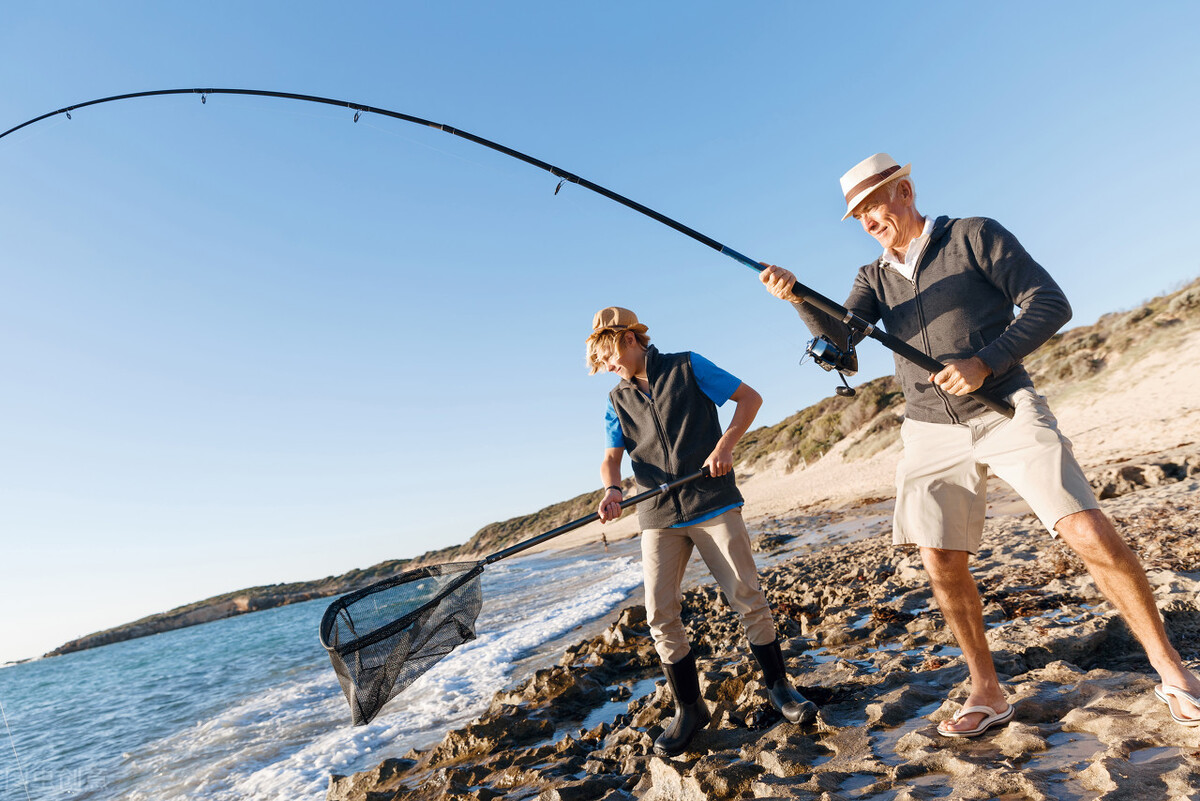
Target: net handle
(583, 521)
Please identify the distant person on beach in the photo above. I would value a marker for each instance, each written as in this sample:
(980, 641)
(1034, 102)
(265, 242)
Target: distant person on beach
(664, 414)
(948, 288)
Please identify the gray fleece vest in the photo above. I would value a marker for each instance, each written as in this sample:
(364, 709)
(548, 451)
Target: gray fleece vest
(669, 435)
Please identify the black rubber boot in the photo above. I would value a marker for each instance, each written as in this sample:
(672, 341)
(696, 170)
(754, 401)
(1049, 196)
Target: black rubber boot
(691, 713)
(794, 706)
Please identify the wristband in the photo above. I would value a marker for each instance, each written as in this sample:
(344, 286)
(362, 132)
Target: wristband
(614, 486)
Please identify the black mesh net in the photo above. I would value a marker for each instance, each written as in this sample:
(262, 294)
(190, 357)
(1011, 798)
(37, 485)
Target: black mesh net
(383, 637)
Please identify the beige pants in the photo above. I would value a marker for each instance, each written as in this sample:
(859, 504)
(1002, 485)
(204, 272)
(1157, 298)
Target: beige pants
(725, 547)
(941, 481)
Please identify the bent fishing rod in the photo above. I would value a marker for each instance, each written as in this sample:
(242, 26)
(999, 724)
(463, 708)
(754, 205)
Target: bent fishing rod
(856, 324)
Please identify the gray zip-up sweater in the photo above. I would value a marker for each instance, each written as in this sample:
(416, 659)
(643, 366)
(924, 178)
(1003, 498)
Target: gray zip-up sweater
(960, 304)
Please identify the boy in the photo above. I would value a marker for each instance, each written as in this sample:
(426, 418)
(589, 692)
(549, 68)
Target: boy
(664, 414)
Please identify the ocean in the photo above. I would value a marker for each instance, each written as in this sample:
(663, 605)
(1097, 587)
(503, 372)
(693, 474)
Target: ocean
(249, 707)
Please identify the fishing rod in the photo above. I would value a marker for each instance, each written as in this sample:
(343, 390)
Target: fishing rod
(842, 362)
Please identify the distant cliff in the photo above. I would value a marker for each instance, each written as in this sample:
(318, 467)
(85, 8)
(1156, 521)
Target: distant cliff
(1071, 356)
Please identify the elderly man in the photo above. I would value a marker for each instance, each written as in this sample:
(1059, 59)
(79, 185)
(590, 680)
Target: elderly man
(948, 288)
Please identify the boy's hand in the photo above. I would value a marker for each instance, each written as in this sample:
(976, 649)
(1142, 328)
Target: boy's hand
(720, 461)
(610, 506)
(778, 282)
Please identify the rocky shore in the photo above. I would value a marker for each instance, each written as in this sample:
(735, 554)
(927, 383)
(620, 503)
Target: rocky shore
(864, 640)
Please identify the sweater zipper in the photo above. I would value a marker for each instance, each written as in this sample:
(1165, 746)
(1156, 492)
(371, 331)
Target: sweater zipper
(925, 339)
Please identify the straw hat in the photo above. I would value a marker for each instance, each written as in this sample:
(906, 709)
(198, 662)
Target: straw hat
(618, 318)
(867, 176)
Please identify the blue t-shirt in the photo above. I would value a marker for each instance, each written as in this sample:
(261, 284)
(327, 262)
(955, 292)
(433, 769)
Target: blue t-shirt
(715, 383)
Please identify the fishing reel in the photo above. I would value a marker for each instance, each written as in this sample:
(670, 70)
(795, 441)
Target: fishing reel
(829, 356)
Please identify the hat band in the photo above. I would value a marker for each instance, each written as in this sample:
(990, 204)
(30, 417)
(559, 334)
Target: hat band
(616, 327)
(873, 180)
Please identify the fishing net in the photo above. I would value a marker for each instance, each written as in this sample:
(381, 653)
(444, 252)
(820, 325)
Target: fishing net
(384, 637)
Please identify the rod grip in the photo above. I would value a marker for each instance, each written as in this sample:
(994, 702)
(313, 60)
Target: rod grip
(894, 344)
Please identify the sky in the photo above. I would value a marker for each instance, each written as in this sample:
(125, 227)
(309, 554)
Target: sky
(251, 341)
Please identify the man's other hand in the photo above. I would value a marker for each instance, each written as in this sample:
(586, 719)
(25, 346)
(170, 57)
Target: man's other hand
(962, 377)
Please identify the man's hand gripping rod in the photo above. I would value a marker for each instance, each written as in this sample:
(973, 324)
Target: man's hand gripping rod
(858, 325)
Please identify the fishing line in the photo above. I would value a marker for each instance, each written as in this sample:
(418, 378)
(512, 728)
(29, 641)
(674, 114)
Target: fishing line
(13, 743)
(492, 167)
(305, 112)
(855, 324)
(35, 134)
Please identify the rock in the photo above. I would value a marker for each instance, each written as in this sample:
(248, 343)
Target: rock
(567, 693)
(488, 735)
(776, 787)
(1117, 778)
(1019, 739)
(617, 795)
(762, 716)
(910, 570)
(1024, 644)
(723, 776)
(1115, 481)
(783, 764)
(1182, 620)
(384, 775)
(668, 780)
(900, 706)
(770, 541)
(590, 789)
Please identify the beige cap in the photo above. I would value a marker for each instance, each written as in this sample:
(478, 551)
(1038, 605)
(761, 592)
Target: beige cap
(616, 317)
(868, 175)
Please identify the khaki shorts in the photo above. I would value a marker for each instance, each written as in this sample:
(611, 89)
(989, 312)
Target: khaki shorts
(941, 481)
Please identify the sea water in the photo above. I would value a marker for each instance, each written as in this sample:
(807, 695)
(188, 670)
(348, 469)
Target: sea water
(250, 708)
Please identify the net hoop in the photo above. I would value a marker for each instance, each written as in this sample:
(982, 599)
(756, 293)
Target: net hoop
(383, 632)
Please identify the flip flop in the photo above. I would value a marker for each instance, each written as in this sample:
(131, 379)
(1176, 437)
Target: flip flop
(1166, 691)
(991, 718)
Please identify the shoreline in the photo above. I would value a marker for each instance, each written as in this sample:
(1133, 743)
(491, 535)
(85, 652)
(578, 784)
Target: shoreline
(864, 640)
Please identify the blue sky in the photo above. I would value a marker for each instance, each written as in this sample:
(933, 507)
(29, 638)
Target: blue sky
(251, 341)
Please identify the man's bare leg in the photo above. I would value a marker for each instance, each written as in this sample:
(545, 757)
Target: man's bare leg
(1120, 576)
(958, 597)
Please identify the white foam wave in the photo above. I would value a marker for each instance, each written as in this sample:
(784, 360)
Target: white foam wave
(285, 742)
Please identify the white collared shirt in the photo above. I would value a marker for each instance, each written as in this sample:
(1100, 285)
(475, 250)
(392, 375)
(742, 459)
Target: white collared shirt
(907, 266)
